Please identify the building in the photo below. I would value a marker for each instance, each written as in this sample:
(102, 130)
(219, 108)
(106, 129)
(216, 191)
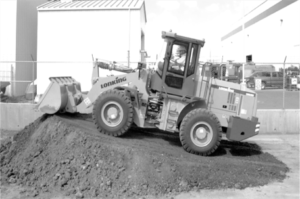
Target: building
(71, 33)
(18, 43)
(269, 33)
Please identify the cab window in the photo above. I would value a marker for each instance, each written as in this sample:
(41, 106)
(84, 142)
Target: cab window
(192, 62)
(266, 74)
(178, 58)
(257, 74)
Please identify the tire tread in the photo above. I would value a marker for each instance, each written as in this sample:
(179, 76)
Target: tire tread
(128, 102)
(213, 117)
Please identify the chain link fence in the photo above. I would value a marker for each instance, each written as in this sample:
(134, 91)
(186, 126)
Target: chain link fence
(277, 84)
(5, 77)
(15, 78)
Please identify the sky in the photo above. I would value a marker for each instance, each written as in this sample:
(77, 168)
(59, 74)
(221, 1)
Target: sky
(200, 19)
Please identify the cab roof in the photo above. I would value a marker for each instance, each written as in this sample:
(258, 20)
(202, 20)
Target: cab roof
(182, 38)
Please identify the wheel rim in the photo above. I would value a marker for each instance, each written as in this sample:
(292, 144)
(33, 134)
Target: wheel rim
(112, 114)
(201, 134)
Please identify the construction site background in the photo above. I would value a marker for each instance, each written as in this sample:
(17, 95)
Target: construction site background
(81, 71)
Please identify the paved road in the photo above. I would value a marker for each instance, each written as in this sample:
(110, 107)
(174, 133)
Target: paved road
(286, 149)
(273, 99)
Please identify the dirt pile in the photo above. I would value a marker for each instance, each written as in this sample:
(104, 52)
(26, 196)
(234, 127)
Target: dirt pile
(54, 156)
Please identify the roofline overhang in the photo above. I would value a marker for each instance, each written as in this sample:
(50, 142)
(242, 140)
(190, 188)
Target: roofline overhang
(40, 9)
(273, 9)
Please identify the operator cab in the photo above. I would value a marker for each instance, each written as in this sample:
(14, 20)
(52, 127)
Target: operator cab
(176, 67)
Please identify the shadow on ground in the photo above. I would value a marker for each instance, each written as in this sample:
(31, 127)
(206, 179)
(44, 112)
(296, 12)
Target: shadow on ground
(237, 149)
(139, 133)
(226, 147)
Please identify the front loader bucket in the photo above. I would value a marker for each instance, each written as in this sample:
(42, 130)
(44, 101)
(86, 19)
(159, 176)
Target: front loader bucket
(62, 95)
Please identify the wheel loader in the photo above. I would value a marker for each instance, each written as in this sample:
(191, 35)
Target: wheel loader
(173, 99)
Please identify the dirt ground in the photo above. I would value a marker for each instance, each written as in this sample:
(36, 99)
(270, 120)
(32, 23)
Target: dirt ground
(65, 156)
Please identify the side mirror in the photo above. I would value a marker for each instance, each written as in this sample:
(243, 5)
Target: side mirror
(141, 65)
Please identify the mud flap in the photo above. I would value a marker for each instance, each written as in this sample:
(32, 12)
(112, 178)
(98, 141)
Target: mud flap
(240, 129)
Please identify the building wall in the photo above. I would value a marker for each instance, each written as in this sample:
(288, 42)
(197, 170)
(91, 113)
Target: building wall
(8, 18)
(76, 36)
(270, 39)
(135, 42)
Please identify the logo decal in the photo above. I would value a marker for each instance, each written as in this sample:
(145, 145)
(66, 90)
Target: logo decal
(116, 81)
(87, 101)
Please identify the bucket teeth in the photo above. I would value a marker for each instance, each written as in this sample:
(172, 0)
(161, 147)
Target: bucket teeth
(62, 95)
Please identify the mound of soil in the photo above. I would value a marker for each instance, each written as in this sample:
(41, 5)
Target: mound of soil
(53, 155)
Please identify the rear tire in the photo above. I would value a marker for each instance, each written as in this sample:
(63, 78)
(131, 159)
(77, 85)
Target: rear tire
(200, 132)
(113, 113)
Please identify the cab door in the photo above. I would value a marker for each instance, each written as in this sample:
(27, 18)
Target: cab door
(179, 76)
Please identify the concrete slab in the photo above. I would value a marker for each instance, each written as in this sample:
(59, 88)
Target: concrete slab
(15, 116)
(279, 120)
(286, 149)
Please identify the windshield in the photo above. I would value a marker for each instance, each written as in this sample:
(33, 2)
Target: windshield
(255, 74)
(160, 57)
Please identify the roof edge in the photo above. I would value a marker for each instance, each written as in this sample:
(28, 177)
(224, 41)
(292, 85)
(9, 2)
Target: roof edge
(47, 6)
(144, 7)
(79, 9)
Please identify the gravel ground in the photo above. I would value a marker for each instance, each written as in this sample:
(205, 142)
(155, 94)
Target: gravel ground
(65, 155)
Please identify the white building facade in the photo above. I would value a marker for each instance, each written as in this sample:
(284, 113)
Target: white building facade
(267, 34)
(72, 33)
(18, 43)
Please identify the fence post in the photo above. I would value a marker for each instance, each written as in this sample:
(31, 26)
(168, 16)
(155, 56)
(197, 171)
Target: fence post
(283, 92)
(11, 81)
(33, 74)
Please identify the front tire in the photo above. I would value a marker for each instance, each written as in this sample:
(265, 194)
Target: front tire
(200, 132)
(113, 113)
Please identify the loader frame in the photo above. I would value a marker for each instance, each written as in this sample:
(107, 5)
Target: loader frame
(196, 107)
